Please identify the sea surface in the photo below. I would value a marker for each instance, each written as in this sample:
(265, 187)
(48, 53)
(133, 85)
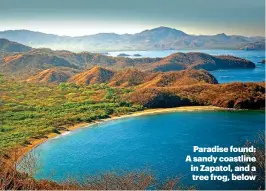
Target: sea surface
(158, 142)
(223, 76)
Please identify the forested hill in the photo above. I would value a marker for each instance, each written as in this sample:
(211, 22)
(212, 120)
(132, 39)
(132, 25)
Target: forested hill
(25, 64)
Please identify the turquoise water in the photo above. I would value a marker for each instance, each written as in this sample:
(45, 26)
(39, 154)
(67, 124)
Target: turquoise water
(158, 142)
(223, 76)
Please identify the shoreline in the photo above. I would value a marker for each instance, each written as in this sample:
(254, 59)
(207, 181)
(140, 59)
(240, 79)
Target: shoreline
(36, 142)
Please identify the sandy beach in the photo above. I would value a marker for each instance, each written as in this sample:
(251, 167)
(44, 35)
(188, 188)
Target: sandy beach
(36, 142)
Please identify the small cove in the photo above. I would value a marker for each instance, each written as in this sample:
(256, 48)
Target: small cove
(159, 142)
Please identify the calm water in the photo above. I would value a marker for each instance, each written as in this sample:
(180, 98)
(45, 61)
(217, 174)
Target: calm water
(159, 142)
(223, 76)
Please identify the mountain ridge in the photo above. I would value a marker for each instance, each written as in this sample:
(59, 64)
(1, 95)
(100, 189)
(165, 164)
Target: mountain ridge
(123, 78)
(22, 65)
(10, 46)
(52, 75)
(160, 38)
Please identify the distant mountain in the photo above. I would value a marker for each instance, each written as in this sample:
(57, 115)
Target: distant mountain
(161, 38)
(259, 45)
(25, 64)
(9, 46)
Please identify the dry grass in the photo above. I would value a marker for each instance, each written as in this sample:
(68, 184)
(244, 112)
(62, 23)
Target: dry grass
(260, 173)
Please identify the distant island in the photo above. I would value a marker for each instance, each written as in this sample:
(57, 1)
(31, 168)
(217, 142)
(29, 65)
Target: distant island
(123, 54)
(262, 62)
(260, 45)
(160, 38)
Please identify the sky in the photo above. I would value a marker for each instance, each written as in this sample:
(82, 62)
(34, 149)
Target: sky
(85, 17)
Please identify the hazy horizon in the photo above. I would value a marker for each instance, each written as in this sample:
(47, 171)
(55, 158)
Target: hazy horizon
(83, 17)
(130, 33)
